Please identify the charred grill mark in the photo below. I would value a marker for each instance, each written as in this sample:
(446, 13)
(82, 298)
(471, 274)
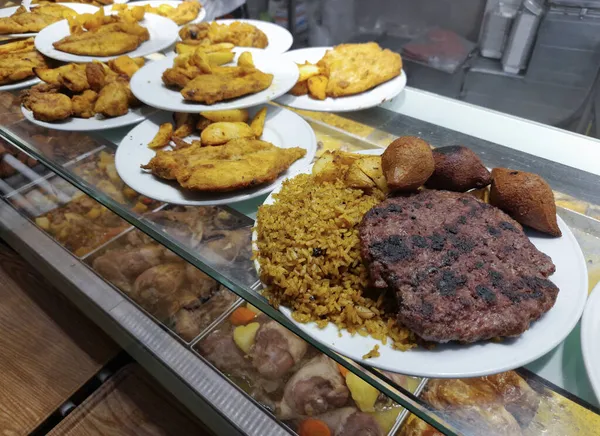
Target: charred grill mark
(418, 241)
(392, 249)
(496, 278)
(462, 219)
(437, 241)
(463, 244)
(485, 293)
(505, 225)
(450, 282)
(493, 231)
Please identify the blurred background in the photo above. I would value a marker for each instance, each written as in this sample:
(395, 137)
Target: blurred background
(531, 58)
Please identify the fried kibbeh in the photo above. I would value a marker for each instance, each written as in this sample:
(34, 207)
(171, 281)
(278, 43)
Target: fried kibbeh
(18, 61)
(237, 33)
(526, 197)
(212, 88)
(239, 164)
(459, 169)
(407, 163)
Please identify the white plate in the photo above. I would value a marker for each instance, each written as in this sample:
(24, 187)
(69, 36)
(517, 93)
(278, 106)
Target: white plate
(163, 33)
(283, 128)
(156, 3)
(22, 84)
(590, 339)
(77, 7)
(458, 361)
(374, 97)
(279, 38)
(147, 85)
(74, 124)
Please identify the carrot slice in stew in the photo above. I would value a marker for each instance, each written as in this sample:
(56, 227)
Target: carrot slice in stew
(313, 427)
(241, 316)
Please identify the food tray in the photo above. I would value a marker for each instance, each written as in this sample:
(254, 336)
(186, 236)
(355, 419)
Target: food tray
(414, 385)
(186, 322)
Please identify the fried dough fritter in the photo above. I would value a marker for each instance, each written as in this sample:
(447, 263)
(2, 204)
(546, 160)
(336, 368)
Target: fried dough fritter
(19, 65)
(239, 164)
(50, 106)
(113, 99)
(211, 88)
(83, 105)
(355, 68)
(238, 33)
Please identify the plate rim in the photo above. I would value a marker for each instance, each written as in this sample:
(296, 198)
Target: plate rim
(139, 90)
(591, 318)
(71, 58)
(228, 199)
(331, 104)
(21, 84)
(557, 340)
(68, 127)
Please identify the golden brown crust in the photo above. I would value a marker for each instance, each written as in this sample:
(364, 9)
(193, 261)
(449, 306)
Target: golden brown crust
(526, 197)
(407, 163)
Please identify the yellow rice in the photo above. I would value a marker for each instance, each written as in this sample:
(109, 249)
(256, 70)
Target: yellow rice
(309, 254)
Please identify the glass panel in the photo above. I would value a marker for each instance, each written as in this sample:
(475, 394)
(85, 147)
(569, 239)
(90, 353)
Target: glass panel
(225, 258)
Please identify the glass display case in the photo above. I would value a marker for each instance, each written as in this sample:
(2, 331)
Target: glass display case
(173, 284)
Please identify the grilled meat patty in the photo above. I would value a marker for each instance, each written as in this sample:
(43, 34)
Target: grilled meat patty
(462, 270)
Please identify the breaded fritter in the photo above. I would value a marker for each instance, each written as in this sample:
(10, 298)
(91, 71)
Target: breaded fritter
(113, 99)
(355, 68)
(211, 88)
(239, 164)
(49, 106)
(83, 105)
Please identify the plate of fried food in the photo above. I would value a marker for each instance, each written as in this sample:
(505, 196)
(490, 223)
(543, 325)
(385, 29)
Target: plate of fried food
(99, 3)
(433, 267)
(347, 77)
(85, 97)
(215, 157)
(241, 33)
(213, 78)
(17, 61)
(103, 37)
(18, 22)
(181, 12)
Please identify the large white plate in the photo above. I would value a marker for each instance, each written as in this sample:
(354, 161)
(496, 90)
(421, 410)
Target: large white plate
(156, 3)
(283, 128)
(147, 85)
(279, 38)
(163, 33)
(374, 97)
(74, 124)
(21, 84)
(590, 339)
(79, 8)
(458, 361)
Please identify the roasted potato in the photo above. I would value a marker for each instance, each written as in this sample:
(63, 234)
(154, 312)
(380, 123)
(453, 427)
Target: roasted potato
(526, 197)
(407, 163)
(356, 178)
(332, 166)
(245, 60)
(220, 57)
(185, 124)
(307, 71)
(232, 115)
(300, 88)
(258, 122)
(317, 87)
(200, 60)
(371, 166)
(124, 65)
(457, 168)
(162, 137)
(223, 132)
